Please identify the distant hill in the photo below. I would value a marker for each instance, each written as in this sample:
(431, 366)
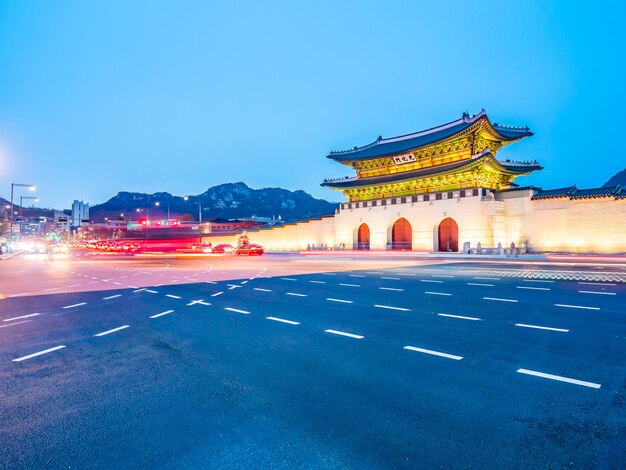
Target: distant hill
(228, 201)
(618, 178)
(26, 211)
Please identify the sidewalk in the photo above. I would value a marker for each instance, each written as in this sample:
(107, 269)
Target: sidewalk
(565, 258)
(418, 254)
(4, 255)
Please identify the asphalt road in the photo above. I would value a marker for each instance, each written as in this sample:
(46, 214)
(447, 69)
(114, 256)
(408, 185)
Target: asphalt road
(289, 362)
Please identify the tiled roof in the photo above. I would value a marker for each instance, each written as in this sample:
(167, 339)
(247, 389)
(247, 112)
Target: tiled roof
(596, 192)
(550, 193)
(572, 192)
(421, 172)
(396, 145)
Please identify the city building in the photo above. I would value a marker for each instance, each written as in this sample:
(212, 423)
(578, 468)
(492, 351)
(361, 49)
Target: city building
(444, 190)
(80, 214)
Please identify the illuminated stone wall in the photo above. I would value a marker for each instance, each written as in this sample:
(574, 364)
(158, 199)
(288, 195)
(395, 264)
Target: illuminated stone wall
(595, 225)
(581, 225)
(289, 237)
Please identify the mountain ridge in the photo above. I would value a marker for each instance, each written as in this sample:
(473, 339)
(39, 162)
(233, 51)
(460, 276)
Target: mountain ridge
(617, 178)
(226, 200)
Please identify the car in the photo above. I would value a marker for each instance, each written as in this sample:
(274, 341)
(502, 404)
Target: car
(249, 249)
(222, 248)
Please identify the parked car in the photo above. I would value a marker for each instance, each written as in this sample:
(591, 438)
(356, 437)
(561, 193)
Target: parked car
(222, 248)
(249, 249)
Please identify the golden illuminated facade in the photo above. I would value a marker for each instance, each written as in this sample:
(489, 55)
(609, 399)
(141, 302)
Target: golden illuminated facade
(443, 190)
(457, 155)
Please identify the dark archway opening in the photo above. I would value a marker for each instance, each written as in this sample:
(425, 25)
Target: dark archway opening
(363, 238)
(401, 235)
(448, 235)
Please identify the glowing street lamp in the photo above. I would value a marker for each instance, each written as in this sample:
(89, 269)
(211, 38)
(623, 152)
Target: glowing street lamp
(168, 209)
(31, 187)
(186, 198)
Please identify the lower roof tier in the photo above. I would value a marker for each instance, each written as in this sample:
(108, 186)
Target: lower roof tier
(482, 170)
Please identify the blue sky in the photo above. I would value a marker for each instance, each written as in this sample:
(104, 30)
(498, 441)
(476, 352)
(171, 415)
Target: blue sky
(99, 97)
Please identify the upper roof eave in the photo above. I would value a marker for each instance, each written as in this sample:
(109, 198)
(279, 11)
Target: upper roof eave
(400, 144)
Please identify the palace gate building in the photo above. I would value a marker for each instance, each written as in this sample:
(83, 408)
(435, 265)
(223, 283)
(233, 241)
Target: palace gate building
(444, 188)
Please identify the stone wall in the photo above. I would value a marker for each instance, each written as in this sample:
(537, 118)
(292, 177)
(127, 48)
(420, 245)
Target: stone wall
(596, 225)
(288, 237)
(581, 225)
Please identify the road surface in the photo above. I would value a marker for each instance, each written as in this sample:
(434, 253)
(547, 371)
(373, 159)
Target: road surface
(294, 361)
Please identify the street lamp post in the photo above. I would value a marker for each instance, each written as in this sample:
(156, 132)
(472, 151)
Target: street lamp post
(168, 209)
(186, 198)
(31, 187)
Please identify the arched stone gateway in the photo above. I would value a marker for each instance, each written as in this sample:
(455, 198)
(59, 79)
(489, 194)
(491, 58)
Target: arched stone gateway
(448, 235)
(363, 238)
(401, 235)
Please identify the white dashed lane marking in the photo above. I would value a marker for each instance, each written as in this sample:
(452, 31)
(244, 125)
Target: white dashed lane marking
(562, 330)
(288, 279)
(431, 280)
(108, 332)
(441, 275)
(151, 291)
(236, 310)
(500, 300)
(39, 353)
(339, 300)
(390, 278)
(391, 288)
(262, 290)
(437, 293)
(75, 305)
(597, 283)
(343, 333)
(355, 275)
(13, 324)
(111, 297)
(434, 353)
(478, 284)
(532, 288)
(577, 306)
(295, 294)
(536, 280)
(559, 378)
(389, 307)
(595, 292)
(317, 282)
(167, 312)
(487, 278)
(282, 320)
(23, 316)
(217, 294)
(459, 316)
(171, 296)
(350, 285)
